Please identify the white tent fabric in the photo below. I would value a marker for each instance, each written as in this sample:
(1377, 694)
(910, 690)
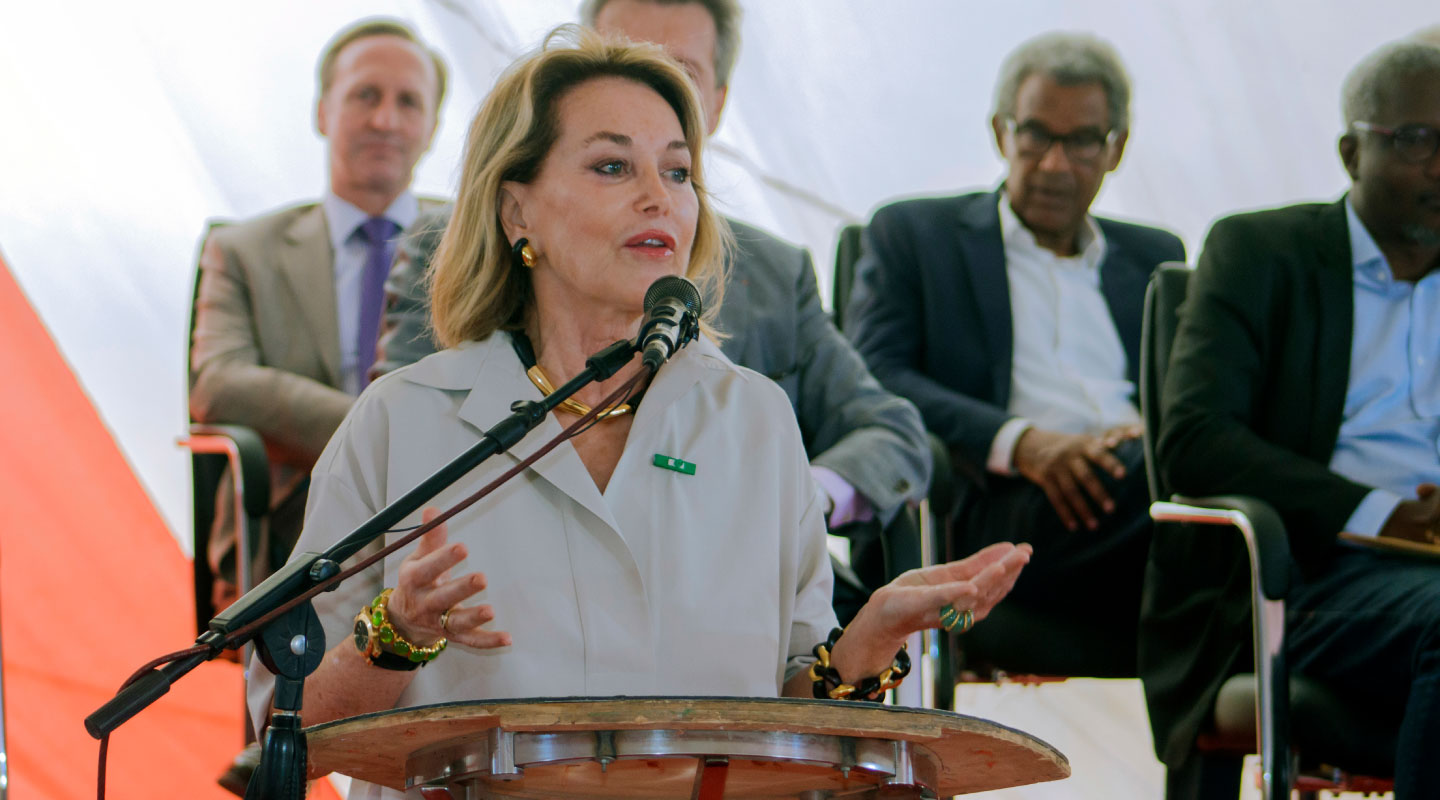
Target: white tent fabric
(125, 126)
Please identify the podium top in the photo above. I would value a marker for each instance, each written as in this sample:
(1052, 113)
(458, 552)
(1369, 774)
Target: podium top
(970, 754)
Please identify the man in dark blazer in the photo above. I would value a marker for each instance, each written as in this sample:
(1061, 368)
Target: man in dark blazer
(1012, 320)
(867, 446)
(1304, 373)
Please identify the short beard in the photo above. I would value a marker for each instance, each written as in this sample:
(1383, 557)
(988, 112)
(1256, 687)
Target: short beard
(1423, 235)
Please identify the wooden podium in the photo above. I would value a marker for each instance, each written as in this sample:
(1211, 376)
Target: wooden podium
(681, 747)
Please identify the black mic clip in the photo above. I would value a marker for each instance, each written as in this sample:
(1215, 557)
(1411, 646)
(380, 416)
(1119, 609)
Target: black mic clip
(672, 319)
(654, 331)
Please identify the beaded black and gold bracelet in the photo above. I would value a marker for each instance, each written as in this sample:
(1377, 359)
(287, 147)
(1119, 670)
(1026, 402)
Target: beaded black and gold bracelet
(829, 685)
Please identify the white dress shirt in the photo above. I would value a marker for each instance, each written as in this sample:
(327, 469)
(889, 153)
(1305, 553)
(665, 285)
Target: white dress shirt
(1068, 366)
(716, 583)
(350, 248)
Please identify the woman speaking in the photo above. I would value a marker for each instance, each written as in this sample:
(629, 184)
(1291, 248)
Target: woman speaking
(677, 547)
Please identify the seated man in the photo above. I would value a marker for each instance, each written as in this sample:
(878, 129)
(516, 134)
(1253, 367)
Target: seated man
(1304, 372)
(1012, 320)
(867, 447)
(288, 306)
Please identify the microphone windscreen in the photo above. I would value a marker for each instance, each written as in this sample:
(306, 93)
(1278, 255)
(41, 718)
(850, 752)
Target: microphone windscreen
(673, 287)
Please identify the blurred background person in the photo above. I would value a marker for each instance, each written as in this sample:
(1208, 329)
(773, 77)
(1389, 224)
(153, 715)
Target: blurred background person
(1304, 372)
(1012, 320)
(288, 306)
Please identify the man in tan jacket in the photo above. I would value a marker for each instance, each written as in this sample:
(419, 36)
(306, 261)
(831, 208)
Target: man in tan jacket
(288, 303)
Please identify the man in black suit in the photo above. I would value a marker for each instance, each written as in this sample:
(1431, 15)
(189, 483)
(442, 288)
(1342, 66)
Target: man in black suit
(1012, 320)
(1304, 373)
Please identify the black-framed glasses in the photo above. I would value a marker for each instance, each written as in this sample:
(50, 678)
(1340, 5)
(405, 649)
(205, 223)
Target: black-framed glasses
(1034, 140)
(1413, 143)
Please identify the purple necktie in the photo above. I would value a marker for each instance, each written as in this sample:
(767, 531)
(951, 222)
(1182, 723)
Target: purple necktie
(379, 234)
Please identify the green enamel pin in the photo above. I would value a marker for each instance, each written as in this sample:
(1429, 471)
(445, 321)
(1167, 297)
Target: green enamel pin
(675, 464)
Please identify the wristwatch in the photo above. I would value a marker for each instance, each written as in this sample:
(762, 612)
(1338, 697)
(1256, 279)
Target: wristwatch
(378, 640)
(367, 641)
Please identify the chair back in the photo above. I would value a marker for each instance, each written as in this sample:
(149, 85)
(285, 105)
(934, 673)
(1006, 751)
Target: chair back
(1163, 297)
(1328, 726)
(847, 252)
(206, 470)
(214, 450)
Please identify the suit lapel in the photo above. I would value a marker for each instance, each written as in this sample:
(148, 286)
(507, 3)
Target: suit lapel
(1335, 290)
(982, 251)
(735, 310)
(1124, 292)
(306, 245)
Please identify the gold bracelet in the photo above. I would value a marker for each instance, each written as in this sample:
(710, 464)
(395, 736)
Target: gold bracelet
(388, 640)
(827, 683)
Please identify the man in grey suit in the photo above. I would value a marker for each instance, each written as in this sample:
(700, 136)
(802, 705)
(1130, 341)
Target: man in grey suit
(868, 448)
(288, 304)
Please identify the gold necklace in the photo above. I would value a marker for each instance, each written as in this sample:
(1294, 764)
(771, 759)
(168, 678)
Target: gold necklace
(542, 382)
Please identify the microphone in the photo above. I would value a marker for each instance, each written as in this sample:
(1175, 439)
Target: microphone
(672, 319)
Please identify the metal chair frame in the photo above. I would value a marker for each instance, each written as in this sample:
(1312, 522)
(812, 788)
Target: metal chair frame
(1268, 623)
(244, 453)
(1268, 549)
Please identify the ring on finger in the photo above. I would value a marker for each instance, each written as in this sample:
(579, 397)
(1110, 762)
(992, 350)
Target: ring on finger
(445, 619)
(950, 619)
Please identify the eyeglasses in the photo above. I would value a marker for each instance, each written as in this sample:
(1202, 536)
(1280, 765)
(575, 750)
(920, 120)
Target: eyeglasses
(1033, 140)
(1413, 143)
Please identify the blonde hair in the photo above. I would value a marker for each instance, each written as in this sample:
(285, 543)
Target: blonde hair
(475, 286)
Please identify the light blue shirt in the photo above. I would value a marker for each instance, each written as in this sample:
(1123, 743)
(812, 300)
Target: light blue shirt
(343, 221)
(1390, 436)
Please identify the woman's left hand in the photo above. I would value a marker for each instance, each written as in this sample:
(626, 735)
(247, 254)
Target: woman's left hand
(914, 601)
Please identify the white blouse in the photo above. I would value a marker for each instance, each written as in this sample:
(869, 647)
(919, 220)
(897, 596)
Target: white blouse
(716, 583)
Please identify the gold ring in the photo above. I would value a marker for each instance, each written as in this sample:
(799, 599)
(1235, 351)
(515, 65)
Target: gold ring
(445, 620)
(950, 619)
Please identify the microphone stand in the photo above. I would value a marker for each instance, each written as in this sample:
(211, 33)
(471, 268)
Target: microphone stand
(292, 644)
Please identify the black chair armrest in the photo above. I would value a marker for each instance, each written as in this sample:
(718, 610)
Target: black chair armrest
(1269, 551)
(1257, 520)
(245, 448)
(901, 542)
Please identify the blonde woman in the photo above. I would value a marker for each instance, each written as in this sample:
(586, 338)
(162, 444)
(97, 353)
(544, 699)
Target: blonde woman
(595, 572)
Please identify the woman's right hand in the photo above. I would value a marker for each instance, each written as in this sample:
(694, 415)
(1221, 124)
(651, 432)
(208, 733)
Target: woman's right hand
(425, 591)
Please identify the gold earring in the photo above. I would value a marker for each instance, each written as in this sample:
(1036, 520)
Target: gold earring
(523, 253)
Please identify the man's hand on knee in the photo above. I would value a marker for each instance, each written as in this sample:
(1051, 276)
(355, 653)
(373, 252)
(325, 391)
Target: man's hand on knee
(1067, 467)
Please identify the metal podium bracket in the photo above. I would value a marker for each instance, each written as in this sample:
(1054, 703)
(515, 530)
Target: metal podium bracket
(895, 769)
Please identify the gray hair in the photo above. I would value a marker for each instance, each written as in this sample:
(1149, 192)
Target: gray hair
(726, 14)
(1370, 87)
(1069, 59)
(1430, 35)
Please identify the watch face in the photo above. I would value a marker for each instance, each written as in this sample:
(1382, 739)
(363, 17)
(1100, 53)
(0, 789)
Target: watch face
(362, 635)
